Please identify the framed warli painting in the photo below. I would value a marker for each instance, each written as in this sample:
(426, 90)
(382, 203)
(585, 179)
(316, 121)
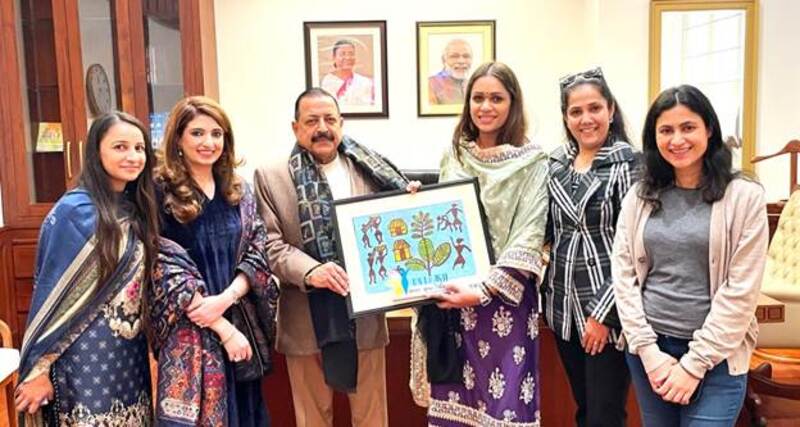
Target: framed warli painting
(399, 248)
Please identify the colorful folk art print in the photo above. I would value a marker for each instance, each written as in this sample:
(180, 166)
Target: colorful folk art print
(414, 251)
(399, 249)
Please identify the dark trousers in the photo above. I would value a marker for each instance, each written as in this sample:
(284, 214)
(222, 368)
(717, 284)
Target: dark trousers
(599, 383)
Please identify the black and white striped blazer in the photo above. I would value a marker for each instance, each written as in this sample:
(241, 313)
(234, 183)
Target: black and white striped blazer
(581, 224)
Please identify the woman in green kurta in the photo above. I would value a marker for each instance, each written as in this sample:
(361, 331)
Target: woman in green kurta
(496, 333)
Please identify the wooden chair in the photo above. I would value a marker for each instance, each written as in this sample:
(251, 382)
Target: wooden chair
(8, 415)
(5, 334)
(792, 148)
(782, 279)
(769, 402)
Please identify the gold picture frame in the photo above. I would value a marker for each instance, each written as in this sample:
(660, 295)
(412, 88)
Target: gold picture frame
(447, 53)
(739, 126)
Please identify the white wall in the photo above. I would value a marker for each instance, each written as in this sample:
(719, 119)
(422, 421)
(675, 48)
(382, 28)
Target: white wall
(778, 91)
(261, 69)
(618, 41)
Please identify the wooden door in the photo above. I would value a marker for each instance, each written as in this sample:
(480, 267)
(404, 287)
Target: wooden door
(40, 159)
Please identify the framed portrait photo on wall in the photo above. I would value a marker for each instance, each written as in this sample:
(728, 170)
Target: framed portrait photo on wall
(447, 53)
(399, 248)
(348, 59)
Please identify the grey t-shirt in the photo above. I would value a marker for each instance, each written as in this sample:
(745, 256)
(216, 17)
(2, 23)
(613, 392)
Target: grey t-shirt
(676, 293)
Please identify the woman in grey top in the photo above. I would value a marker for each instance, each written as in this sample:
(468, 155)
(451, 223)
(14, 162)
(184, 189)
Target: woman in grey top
(687, 264)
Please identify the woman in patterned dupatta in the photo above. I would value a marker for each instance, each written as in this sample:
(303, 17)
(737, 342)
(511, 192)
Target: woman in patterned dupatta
(84, 354)
(210, 212)
(191, 369)
(491, 376)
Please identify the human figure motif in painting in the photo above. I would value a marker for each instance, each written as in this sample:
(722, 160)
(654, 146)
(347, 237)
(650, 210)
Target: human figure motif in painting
(459, 246)
(365, 236)
(381, 254)
(371, 262)
(454, 210)
(403, 278)
(376, 225)
(442, 223)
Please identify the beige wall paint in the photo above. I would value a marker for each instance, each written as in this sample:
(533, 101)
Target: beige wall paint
(261, 69)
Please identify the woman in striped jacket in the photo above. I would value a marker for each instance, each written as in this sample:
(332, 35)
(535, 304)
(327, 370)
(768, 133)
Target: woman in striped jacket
(589, 176)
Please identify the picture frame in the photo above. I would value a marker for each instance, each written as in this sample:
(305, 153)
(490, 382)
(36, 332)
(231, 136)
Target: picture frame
(398, 248)
(348, 59)
(447, 53)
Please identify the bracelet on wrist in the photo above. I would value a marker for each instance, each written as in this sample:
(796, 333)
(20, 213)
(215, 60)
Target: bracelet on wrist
(230, 335)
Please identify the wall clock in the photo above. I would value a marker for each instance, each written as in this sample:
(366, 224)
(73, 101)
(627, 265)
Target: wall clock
(98, 90)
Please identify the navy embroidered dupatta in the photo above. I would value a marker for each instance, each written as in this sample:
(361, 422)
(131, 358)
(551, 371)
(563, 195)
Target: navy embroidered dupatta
(67, 294)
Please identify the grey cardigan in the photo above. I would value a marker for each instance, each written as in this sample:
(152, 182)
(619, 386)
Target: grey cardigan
(737, 252)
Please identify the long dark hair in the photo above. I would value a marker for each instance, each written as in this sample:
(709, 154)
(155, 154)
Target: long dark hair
(138, 195)
(616, 129)
(515, 127)
(717, 160)
(182, 196)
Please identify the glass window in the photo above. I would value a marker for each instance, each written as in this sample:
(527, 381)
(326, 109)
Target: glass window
(42, 119)
(164, 68)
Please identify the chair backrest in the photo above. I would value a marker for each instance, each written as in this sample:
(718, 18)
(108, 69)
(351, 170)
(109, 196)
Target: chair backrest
(761, 382)
(5, 334)
(783, 258)
(8, 415)
(769, 402)
(425, 176)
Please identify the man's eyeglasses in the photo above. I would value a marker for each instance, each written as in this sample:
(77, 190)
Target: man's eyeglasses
(573, 79)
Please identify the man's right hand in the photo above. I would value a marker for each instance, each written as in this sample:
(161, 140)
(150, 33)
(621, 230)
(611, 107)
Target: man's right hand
(329, 276)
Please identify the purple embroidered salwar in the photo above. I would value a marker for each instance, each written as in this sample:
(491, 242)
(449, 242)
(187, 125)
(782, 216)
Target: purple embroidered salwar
(499, 341)
(501, 349)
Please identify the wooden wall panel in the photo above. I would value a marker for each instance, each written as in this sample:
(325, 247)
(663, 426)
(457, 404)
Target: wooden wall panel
(7, 311)
(199, 48)
(17, 254)
(23, 256)
(558, 408)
